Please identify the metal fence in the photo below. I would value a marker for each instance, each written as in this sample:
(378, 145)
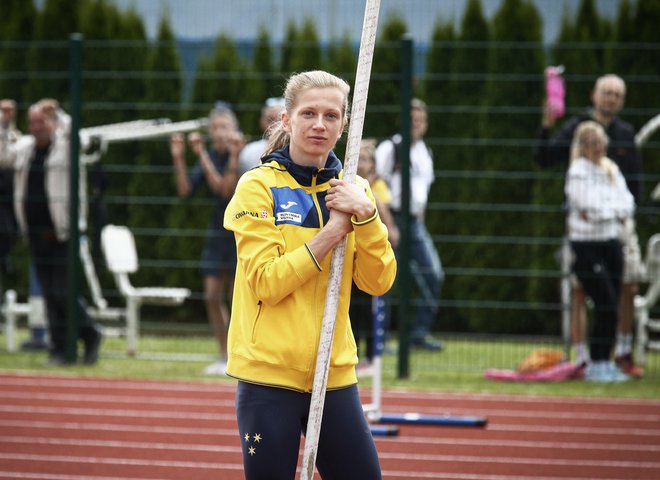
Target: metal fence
(454, 223)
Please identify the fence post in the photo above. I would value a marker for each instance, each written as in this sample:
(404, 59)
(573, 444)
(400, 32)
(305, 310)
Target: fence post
(404, 243)
(75, 74)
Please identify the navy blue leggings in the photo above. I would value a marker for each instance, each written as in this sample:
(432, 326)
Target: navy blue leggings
(270, 421)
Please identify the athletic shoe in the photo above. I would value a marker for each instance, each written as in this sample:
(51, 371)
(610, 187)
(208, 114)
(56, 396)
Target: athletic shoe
(427, 342)
(604, 372)
(57, 360)
(34, 345)
(92, 347)
(218, 367)
(627, 365)
(616, 375)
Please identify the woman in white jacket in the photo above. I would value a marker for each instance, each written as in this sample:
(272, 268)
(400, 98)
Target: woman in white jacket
(598, 204)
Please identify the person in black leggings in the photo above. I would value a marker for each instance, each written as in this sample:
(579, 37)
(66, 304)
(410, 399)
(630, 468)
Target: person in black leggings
(599, 203)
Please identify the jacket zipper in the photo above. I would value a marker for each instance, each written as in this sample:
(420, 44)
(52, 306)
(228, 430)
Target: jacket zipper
(317, 332)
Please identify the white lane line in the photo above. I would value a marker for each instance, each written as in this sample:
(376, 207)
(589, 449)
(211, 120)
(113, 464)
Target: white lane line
(571, 429)
(136, 462)
(544, 414)
(469, 459)
(111, 427)
(221, 386)
(521, 429)
(476, 476)
(109, 398)
(536, 445)
(386, 474)
(124, 444)
(54, 476)
(179, 402)
(102, 412)
(577, 401)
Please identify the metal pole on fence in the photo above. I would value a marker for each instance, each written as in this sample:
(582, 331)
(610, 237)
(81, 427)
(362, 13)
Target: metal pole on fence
(404, 243)
(75, 76)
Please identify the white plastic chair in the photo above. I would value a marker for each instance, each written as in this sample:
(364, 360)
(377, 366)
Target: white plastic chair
(11, 309)
(644, 303)
(121, 259)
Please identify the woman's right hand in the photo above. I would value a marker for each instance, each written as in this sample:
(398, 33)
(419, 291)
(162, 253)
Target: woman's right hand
(549, 118)
(196, 143)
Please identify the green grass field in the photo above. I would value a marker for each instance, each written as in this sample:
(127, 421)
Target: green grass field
(458, 368)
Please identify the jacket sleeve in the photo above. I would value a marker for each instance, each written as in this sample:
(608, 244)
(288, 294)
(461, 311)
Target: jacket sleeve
(555, 149)
(374, 263)
(272, 270)
(599, 202)
(8, 153)
(580, 192)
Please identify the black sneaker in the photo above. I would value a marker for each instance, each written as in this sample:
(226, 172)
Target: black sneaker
(92, 347)
(34, 345)
(57, 360)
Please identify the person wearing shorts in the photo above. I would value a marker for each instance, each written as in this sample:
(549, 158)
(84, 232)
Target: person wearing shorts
(216, 167)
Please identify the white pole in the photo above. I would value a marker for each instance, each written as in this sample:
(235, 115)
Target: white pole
(360, 92)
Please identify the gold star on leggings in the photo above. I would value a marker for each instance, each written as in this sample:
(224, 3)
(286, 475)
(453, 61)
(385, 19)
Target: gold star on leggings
(247, 437)
(257, 437)
(252, 451)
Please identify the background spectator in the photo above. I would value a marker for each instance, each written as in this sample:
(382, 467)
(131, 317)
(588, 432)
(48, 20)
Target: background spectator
(607, 98)
(41, 201)
(361, 309)
(599, 202)
(425, 261)
(216, 167)
(251, 155)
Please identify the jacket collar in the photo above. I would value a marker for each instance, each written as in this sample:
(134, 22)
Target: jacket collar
(304, 174)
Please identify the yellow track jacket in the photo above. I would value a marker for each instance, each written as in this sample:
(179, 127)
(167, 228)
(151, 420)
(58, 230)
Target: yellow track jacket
(280, 288)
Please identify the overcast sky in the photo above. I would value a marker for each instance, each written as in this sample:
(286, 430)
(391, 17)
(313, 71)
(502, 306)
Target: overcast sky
(241, 19)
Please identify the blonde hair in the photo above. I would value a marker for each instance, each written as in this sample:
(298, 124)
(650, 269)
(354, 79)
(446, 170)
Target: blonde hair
(417, 104)
(368, 146)
(582, 132)
(297, 83)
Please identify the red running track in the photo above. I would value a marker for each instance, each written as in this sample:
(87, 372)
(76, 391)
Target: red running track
(61, 427)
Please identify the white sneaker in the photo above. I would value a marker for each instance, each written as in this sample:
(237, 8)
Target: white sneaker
(604, 372)
(615, 374)
(218, 367)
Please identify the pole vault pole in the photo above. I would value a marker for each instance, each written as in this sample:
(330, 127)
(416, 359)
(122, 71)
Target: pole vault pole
(360, 91)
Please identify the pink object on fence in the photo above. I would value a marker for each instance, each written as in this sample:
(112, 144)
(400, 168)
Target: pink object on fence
(555, 91)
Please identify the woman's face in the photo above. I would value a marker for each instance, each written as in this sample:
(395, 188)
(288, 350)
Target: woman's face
(418, 123)
(315, 125)
(593, 147)
(366, 164)
(221, 129)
